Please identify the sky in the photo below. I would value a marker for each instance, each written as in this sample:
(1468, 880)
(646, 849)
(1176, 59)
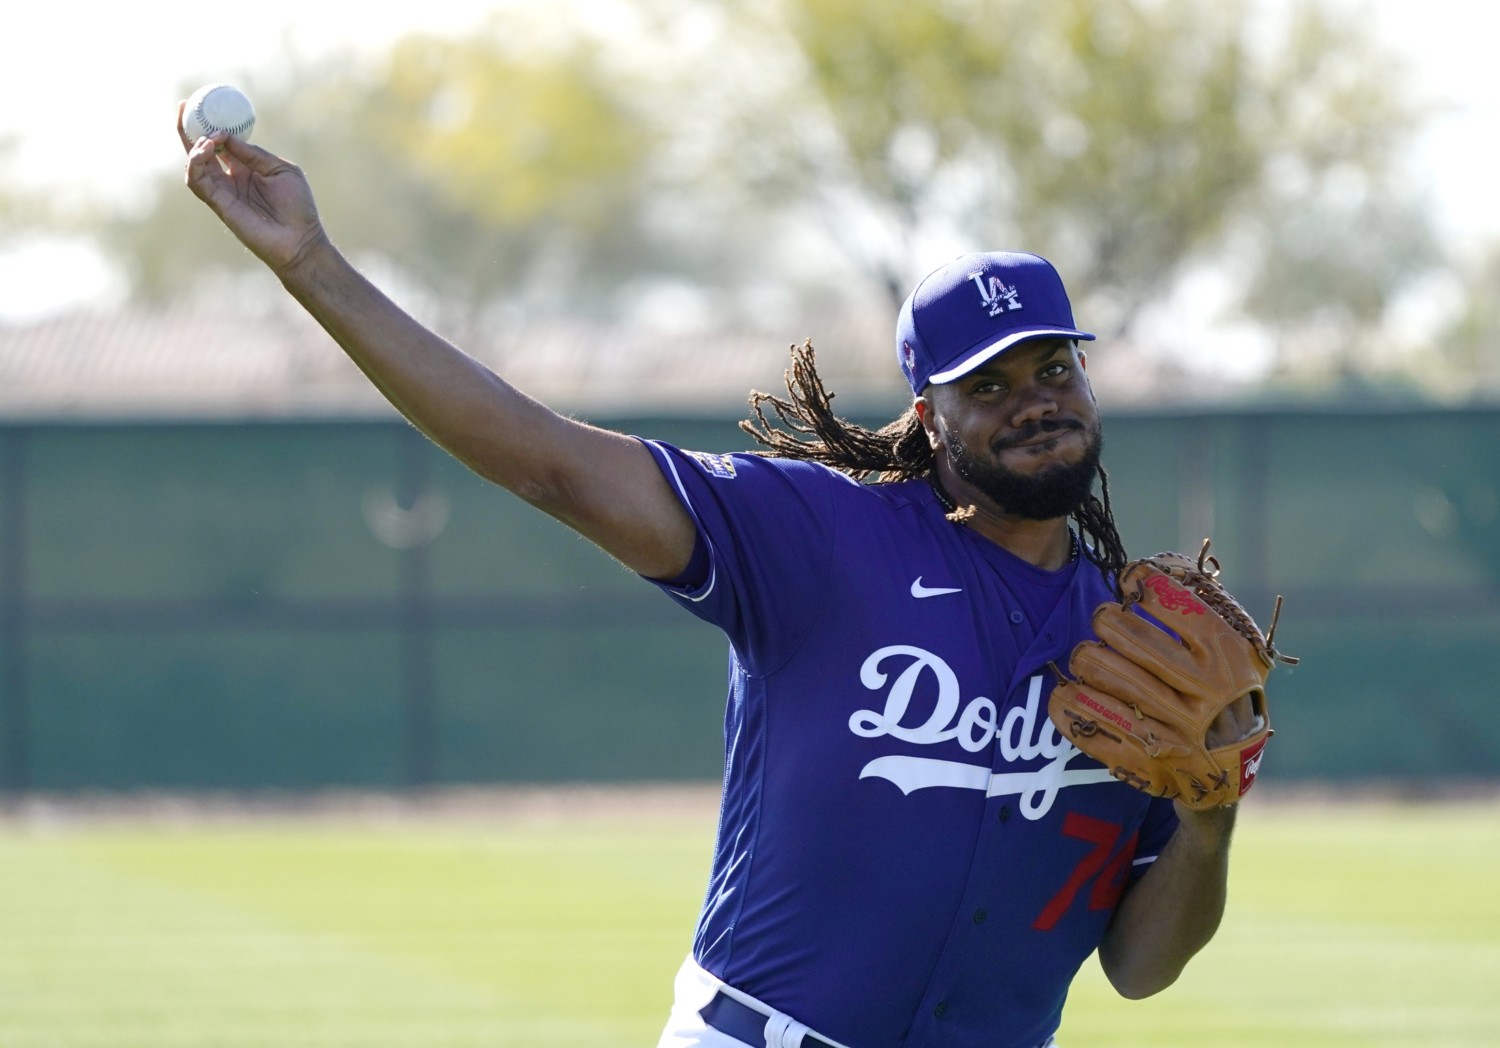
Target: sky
(88, 92)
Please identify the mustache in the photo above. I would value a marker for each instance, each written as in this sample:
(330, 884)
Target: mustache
(1035, 430)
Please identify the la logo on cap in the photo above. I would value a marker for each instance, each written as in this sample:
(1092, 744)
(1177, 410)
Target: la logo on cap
(998, 295)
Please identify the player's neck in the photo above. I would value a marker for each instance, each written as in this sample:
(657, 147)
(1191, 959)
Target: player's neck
(1047, 544)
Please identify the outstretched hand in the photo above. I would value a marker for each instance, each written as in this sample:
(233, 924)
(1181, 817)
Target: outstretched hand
(264, 200)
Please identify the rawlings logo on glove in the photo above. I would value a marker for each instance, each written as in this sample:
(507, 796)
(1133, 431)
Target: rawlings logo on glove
(1171, 698)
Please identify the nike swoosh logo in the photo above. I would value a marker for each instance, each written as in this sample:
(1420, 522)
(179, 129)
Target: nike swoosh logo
(919, 591)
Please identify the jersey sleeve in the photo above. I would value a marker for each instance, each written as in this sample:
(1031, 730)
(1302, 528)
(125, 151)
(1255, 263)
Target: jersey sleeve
(763, 555)
(1155, 831)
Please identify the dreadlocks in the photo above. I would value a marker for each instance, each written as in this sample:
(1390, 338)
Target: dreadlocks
(896, 451)
(806, 428)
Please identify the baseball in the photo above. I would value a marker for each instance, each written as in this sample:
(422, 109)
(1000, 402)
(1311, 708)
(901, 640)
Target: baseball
(215, 108)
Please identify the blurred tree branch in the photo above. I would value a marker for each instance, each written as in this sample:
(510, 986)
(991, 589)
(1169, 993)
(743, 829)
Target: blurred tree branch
(832, 151)
(21, 211)
(478, 170)
(1128, 140)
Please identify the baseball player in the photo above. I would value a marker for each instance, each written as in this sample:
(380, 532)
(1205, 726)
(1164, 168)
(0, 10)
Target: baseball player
(908, 852)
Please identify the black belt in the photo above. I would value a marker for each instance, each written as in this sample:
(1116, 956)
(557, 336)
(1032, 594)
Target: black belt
(744, 1023)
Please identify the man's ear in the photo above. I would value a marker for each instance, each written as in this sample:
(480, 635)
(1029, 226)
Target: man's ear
(925, 415)
(1083, 365)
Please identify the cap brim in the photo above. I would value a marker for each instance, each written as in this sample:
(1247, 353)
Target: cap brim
(994, 349)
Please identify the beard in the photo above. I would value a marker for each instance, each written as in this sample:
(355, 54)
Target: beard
(1055, 490)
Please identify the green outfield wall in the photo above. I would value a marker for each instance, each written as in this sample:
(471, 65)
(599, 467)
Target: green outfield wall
(301, 605)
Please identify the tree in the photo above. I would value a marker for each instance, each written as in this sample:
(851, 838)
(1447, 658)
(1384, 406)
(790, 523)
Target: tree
(838, 148)
(21, 211)
(474, 171)
(1129, 140)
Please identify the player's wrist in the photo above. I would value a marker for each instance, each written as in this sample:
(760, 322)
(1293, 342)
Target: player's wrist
(310, 261)
(1209, 828)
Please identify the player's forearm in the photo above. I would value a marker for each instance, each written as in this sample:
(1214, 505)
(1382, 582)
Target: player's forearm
(601, 484)
(458, 402)
(1174, 910)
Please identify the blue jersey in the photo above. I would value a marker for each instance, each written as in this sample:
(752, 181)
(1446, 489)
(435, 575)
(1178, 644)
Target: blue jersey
(908, 852)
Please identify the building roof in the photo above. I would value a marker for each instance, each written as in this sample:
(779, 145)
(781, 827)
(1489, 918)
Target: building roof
(191, 362)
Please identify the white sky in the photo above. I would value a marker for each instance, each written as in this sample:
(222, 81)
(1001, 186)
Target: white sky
(89, 91)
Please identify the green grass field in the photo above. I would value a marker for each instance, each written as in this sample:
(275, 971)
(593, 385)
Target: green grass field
(1348, 925)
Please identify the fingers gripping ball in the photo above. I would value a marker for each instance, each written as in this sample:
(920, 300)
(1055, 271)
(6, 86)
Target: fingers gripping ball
(215, 108)
(1171, 698)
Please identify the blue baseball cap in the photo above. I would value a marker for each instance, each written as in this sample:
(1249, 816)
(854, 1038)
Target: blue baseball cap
(976, 307)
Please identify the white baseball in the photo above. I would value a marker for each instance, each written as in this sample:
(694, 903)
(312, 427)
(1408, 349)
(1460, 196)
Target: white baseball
(215, 108)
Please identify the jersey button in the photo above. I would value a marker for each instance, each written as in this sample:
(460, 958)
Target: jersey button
(1017, 617)
(941, 1010)
(979, 916)
(1004, 814)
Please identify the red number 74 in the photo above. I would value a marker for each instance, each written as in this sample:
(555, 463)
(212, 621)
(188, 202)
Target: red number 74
(1111, 871)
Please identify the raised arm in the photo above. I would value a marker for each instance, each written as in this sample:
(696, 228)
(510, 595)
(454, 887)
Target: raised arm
(602, 484)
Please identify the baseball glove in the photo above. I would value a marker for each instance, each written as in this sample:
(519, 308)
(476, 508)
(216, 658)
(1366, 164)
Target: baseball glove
(1171, 698)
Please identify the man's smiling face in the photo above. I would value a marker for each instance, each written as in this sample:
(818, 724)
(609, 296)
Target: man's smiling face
(1022, 430)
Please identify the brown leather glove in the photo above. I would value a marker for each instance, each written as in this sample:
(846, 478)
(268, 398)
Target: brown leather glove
(1176, 706)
